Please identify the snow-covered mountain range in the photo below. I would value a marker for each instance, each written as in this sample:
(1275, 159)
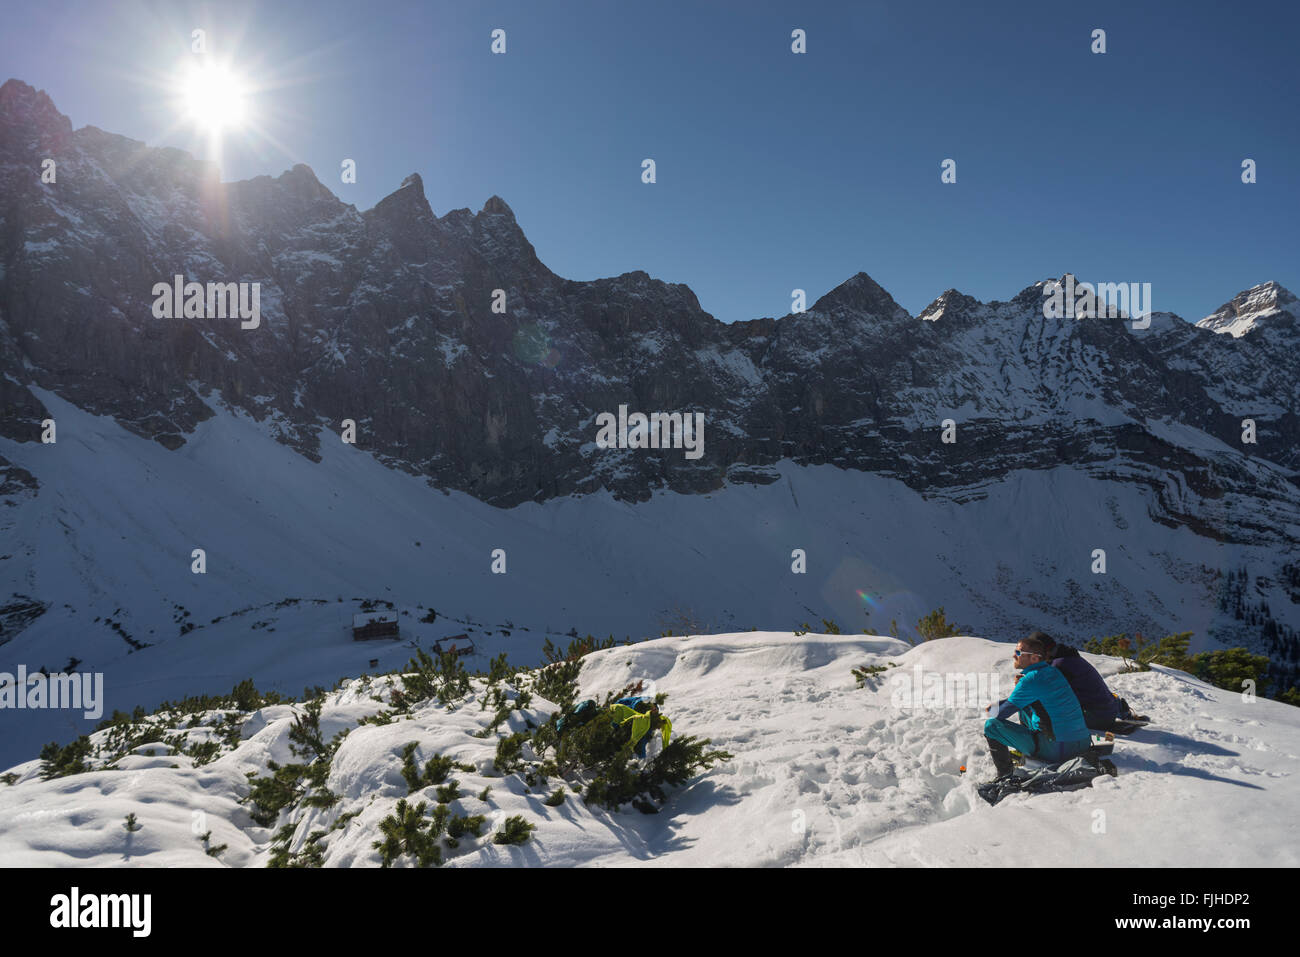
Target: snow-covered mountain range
(476, 430)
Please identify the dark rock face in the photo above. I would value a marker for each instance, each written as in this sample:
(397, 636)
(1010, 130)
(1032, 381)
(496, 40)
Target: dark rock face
(385, 317)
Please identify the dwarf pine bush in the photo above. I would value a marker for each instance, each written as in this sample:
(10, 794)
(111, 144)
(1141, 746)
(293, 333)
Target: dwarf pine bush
(468, 824)
(864, 673)
(58, 762)
(291, 784)
(936, 625)
(270, 794)
(559, 682)
(515, 830)
(446, 793)
(435, 771)
(406, 832)
(509, 756)
(444, 679)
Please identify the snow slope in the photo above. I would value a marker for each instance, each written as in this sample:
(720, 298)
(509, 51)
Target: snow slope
(823, 773)
(1010, 556)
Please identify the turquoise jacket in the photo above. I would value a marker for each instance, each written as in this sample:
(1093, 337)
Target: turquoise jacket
(1047, 704)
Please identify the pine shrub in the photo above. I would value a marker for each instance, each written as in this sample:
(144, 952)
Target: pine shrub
(446, 793)
(936, 625)
(58, 762)
(515, 830)
(469, 824)
(405, 832)
(864, 673)
(509, 756)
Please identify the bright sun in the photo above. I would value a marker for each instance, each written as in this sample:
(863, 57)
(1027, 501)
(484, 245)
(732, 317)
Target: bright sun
(213, 98)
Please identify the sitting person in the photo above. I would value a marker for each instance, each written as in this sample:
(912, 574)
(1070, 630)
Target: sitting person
(1100, 707)
(1051, 724)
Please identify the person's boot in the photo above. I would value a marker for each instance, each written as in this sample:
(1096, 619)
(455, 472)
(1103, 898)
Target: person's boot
(1002, 762)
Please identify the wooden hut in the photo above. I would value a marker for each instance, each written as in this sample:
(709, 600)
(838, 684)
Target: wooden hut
(374, 624)
(455, 644)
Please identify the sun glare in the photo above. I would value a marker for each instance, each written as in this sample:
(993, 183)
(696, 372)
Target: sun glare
(214, 98)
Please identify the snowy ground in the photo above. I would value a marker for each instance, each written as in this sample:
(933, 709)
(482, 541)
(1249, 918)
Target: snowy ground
(824, 773)
(107, 540)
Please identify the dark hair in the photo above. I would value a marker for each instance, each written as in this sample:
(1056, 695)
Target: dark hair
(1038, 643)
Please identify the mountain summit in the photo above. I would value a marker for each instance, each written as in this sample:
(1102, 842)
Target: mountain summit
(1243, 312)
(861, 294)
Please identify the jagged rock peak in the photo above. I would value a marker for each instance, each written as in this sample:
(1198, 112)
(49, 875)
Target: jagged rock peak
(1239, 315)
(860, 293)
(299, 181)
(22, 105)
(406, 201)
(497, 206)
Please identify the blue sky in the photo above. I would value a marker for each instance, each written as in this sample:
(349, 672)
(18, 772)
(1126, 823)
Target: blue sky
(775, 170)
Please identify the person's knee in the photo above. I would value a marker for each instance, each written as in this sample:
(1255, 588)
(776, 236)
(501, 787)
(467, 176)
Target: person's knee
(991, 727)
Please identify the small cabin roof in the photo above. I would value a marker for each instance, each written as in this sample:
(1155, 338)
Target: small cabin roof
(373, 617)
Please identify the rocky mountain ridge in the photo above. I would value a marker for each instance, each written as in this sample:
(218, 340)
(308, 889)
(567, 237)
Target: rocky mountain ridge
(385, 317)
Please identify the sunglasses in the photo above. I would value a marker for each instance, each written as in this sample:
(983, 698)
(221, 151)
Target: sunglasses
(1017, 653)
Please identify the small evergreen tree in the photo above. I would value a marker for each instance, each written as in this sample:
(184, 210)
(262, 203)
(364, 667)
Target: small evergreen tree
(1231, 668)
(509, 756)
(863, 673)
(405, 832)
(515, 830)
(58, 762)
(446, 793)
(935, 625)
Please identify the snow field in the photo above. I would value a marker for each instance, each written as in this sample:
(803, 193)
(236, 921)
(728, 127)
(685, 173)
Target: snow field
(823, 773)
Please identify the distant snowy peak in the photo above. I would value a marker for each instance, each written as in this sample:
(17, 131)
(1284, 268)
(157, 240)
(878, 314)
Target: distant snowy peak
(951, 305)
(1034, 295)
(1240, 316)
